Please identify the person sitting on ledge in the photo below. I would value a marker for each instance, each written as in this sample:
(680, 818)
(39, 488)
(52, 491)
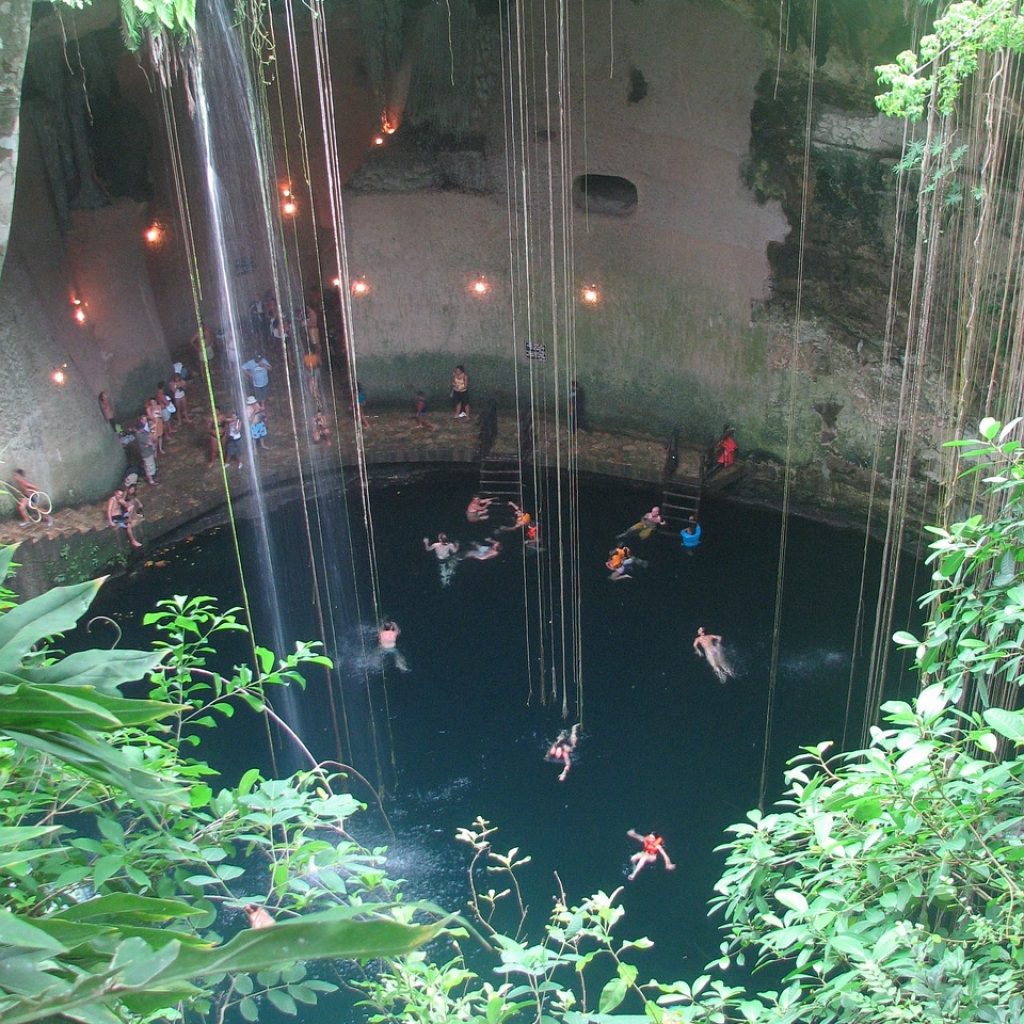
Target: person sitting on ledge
(649, 522)
(121, 515)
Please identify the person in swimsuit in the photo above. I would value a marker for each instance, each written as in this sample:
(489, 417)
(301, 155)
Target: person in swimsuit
(690, 535)
(709, 646)
(477, 509)
(484, 550)
(387, 637)
(652, 847)
(649, 522)
(121, 515)
(563, 749)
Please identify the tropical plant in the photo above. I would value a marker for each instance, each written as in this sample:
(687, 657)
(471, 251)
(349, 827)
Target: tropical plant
(948, 56)
(126, 871)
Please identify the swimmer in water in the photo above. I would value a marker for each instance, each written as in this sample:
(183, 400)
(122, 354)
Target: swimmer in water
(690, 535)
(522, 520)
(387, 637)
(484, 550)
(442, 547)
(653, 847)
(649, 522)
(709, 645)
(445, 550)
(563, 748)
(477, 509)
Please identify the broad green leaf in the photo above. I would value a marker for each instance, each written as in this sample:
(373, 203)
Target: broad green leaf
(126, 904)
(15, 931)
(56, 611)
(1007, 723)
(14, 835)
(792, 899)
(104, 670)
(612, 996)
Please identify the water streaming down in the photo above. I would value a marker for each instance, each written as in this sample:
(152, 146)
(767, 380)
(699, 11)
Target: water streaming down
(224, 119)
(255, 297)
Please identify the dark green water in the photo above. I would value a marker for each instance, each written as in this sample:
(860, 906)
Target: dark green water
(665, 747)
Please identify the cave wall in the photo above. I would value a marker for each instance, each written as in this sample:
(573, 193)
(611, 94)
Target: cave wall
(700, 106)
(70, 239)
(672, 340)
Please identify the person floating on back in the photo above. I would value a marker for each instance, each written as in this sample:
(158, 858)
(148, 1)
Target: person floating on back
(652, 847)
(709, 646)
(649, 522)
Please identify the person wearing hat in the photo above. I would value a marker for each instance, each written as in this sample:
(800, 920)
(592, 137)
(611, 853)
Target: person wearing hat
(257, 422)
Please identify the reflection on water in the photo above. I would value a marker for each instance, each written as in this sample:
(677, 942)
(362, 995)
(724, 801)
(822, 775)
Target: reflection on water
(665, 747)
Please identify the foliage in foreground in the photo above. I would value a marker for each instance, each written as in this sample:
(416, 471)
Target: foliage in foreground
(125, 871)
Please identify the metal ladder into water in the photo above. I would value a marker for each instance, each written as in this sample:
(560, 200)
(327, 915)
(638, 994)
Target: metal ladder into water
(501, 477)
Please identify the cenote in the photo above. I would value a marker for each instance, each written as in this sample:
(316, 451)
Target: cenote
(665, 747)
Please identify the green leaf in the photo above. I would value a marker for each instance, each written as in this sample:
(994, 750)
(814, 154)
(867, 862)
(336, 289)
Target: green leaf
(612, 996)
(16, 932)
(792, 899)
(1007, 723)
(248, 1009)
(282, 1000)
(104, 670)
(56, 611)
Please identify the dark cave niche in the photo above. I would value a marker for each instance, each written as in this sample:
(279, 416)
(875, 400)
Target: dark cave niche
(605, 193)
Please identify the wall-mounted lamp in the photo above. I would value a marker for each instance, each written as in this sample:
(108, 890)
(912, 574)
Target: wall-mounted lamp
(155, 235)
(360, 287)
(378, 140)
(58, 374)
(388, 125)
(479, 287)
(79, 307)
(590, 294)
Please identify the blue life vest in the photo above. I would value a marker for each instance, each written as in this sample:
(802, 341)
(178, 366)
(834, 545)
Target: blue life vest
(691, 540)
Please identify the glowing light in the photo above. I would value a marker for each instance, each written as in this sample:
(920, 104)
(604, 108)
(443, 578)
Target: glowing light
(289, 208)
(480, 287)
(360, 286)
(387, 126)
(79, 313)
(286, 189)
(378, 140)
(336, 282)
(154, 234)
(58, 376)
(590, 294)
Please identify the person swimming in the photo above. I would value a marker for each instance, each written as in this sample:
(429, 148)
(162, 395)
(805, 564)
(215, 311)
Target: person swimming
(649, 522)
(710, 646)
(563, 749)
(387, 638)
(484, 550)
(652, 847)
(690, 535)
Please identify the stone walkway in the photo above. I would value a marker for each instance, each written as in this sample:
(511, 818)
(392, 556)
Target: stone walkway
(187, 490)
